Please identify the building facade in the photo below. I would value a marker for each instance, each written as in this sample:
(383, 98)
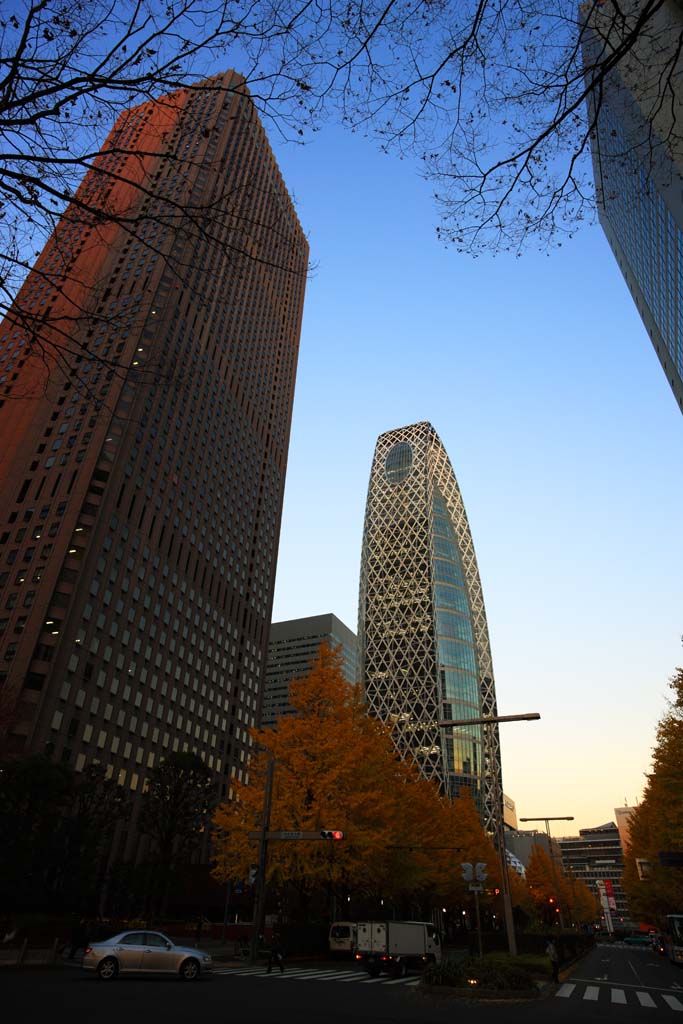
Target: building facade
(142, 465)
(637, 148)
(596, 857)
(292, 647)
(422, 631)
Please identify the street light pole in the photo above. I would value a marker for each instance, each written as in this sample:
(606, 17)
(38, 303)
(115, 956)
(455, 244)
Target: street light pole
(260, 894)
(551, 852)
(490, 720)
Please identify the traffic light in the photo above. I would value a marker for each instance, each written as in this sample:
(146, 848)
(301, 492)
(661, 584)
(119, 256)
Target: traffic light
(331, 833)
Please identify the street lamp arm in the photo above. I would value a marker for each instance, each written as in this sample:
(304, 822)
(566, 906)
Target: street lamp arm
(533, 716)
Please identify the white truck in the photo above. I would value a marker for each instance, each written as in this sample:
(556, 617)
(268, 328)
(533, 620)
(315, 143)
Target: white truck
(396, 946)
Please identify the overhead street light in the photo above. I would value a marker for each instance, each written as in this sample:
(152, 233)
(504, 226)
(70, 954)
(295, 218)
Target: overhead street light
(488, 720)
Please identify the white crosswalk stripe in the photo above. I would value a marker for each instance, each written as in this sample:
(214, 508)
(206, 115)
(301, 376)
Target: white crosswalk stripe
(619, 996)
(315, 974)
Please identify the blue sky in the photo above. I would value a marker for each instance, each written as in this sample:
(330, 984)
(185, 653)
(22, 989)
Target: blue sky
(565, 438)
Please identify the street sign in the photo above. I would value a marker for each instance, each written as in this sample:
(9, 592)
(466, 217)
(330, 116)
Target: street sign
(286, 834)
(476, 887)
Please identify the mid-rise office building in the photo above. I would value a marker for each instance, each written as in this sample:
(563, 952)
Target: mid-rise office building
(143, 446)
(637, 149)
(596, 857)
(423, 637)
(292, 648)
(623, 818)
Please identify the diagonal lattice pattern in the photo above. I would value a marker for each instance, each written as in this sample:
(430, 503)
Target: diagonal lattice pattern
(422, 631)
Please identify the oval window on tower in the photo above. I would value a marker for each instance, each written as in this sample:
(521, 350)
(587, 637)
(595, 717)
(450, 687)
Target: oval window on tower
(399, 462)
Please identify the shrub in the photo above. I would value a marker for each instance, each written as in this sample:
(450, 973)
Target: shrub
(488, 973)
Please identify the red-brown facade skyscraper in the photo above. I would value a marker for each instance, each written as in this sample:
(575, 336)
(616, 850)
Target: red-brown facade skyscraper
(147, 377)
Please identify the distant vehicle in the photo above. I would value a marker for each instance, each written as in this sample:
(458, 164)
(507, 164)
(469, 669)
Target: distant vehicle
(673, 939)
(144, 953)
(396, 946)
(343, 937)
(639, 939)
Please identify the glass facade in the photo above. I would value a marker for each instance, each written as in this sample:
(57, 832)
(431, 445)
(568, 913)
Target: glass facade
(423, 638)
(637, 164)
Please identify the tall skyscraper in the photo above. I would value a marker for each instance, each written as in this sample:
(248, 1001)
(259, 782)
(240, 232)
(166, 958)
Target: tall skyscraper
(141, 483)
(292, 647)
(637, 150)
(422, 631)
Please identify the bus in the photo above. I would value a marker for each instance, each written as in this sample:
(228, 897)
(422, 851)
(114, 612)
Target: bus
(674, 938)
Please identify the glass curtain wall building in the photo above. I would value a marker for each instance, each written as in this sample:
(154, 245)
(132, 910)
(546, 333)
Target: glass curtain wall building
(422, 632)
(637, 150)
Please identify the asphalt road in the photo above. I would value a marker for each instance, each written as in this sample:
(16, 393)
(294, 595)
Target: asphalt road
(618, 983)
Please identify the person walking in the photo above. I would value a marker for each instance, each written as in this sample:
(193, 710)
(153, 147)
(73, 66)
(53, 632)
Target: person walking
(554, 957)
(277, 955)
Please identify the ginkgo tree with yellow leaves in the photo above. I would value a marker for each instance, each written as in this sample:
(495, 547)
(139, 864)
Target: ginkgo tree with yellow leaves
(335, 767)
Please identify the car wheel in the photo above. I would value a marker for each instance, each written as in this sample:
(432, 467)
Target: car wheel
(107, 969)
(189, 969)
(373, 970)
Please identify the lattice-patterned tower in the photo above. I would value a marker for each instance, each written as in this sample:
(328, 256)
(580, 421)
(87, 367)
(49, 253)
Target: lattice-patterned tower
(422, 632)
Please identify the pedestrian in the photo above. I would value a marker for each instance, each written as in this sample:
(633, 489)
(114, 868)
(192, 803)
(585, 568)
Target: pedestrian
(277, 955)
(554, 957)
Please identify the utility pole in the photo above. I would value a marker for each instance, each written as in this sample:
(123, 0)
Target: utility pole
(490, 720)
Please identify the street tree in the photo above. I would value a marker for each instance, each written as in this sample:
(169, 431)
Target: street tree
(656, 825)
(98, 804)
(495, 99)
(335, 767)
(174, 813)
(35, 799)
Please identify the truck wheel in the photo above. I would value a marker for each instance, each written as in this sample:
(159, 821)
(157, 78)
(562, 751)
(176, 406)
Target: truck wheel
(400, 969)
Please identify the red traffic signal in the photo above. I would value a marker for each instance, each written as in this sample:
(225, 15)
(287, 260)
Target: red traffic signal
(331, 833)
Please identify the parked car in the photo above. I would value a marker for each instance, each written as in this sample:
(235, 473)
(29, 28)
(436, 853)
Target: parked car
(144, 952)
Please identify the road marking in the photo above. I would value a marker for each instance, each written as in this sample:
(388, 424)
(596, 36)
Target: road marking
(398, 981)
(672, 1002)
(592, 992)
(565, 991)
(634, 971)
(372, 981)
(618, 995)
(645, 999)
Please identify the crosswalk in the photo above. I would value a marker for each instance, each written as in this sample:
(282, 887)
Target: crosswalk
(652, 999)
(314, 974)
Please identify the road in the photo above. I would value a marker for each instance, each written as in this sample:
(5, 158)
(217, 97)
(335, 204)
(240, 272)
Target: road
(625, 982)
(619, 983)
